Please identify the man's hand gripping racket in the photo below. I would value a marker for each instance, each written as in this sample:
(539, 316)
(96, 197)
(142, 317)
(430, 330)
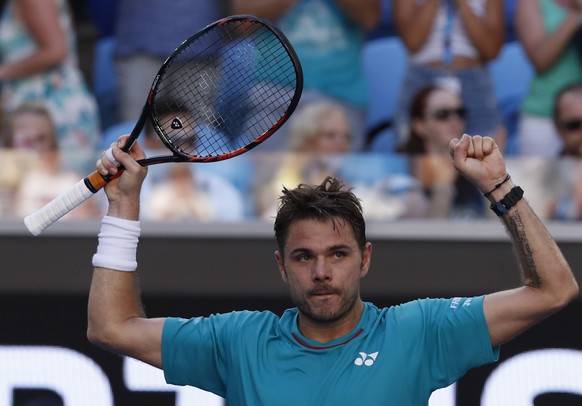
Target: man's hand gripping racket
(222, 92)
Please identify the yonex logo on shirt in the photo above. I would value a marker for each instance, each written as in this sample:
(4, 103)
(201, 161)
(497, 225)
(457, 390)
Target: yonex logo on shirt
(366, 359)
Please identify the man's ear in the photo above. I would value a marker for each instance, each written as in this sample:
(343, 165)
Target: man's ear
(281, 266)
(366, 259)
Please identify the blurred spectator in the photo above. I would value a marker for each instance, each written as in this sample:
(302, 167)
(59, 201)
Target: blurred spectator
(14, 163)
(328, 36)
(319, 146)
(39, 63)
(147, 31)
(545, 28)
(179, 191)
(102, 16)
(318, 134)
(566, 190)
(565, 187)
(30, 128)
(323, 127)
(449, 43)
(189, 194)
(437, 115)
(567, 116)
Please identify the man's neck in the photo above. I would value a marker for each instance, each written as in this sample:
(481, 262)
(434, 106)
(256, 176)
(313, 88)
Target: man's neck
(324, 332)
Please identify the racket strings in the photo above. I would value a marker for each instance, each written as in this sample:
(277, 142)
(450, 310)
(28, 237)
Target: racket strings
(225, 90)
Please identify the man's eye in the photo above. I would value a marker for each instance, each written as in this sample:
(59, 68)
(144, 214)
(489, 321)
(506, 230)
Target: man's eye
(339, 254)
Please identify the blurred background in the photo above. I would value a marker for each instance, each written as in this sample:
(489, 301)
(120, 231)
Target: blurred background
(379, 108)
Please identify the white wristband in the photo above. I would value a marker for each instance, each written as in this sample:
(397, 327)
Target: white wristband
(117, 244)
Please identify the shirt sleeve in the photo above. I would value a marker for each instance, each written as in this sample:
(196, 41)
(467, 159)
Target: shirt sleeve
(454, 337)
(194, 351)
(461, 336)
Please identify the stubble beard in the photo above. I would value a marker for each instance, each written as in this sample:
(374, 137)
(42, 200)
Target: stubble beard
(326, 313)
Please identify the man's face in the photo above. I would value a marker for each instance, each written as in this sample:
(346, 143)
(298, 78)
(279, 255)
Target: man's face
(322, 266)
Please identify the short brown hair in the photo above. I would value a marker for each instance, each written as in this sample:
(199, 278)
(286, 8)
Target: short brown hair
(330, 200)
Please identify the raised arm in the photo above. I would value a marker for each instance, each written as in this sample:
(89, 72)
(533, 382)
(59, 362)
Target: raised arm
(117, 321)
(414, 21)
(548, 282)
(41, 19)
(486, 33)
(544, 48)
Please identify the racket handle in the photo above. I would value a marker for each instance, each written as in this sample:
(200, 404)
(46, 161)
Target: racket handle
(38, 221)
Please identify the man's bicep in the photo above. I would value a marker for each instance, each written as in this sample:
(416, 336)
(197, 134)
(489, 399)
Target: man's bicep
(508, 313)
(144, 340)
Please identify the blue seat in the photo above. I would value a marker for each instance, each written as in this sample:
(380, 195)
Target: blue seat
(104, 80)
(511, 73)
(112, 133)
(369, 168)
(385, 61)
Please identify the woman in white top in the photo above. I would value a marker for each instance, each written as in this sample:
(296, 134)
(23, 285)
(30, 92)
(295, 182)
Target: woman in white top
(449, 42)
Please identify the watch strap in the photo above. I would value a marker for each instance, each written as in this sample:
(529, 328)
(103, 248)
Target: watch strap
(509, 200)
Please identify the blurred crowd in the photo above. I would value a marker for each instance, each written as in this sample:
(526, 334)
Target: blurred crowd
(508, 69)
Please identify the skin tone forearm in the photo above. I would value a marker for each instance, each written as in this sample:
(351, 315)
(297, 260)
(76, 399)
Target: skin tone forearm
(486, 33)
(544, 49)
(548, 282)
(115, 313)
(531, 242)
(41, 19)
(414, 21)
(515, 226)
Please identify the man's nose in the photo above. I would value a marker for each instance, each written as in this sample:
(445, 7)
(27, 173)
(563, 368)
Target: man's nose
(322, 270)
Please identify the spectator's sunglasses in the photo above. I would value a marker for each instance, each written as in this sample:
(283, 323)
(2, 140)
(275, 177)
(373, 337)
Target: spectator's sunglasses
(445, 114)
(571, 125)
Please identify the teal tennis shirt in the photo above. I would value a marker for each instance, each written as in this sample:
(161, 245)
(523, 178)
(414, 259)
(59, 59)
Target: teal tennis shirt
(395, 356)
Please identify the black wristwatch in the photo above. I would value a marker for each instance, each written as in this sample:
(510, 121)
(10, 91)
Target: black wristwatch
(509, 200)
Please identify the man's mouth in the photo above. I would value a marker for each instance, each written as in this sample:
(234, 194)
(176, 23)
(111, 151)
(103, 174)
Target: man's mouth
(323, 292)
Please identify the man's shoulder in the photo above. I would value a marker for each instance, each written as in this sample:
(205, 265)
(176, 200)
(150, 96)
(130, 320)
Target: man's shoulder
(425, 307)
(246, 316)
(233, 318)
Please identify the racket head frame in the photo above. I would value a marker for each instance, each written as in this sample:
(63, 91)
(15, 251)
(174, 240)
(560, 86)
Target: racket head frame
(149, 113)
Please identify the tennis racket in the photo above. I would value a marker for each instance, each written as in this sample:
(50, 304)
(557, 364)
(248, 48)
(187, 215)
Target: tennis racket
(221, 93)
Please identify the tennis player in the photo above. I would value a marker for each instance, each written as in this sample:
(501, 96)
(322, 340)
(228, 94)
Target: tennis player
(332, 348)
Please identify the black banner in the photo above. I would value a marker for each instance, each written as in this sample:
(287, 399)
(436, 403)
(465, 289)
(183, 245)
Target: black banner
(46, 360)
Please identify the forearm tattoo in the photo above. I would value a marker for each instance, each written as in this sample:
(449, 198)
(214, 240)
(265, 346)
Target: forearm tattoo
(525, 255)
